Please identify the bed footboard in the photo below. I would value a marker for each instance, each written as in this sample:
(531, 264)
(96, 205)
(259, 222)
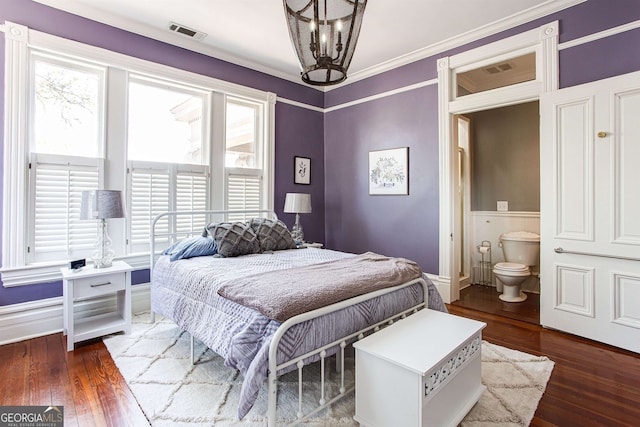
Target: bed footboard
(299, 361)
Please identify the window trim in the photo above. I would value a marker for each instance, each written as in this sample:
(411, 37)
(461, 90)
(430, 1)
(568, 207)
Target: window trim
(19, 39)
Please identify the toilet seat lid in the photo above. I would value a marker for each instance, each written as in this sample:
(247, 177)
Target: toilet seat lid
(521, 236)
(511, 266)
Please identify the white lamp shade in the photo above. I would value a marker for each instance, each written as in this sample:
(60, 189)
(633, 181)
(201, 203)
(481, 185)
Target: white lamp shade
(101, 204)
(297, 203)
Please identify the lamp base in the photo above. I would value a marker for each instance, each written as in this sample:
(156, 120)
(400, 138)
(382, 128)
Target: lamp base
(98, 263)
(103, 255)
(296, 232)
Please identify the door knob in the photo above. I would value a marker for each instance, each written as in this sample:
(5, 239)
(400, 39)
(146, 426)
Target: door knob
(602, 134)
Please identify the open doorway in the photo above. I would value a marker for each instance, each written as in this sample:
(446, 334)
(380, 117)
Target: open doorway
(509, 72)
(498, 193)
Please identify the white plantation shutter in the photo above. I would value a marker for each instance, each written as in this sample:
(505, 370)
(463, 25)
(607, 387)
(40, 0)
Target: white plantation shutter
(57, 183)
(191, 195)
(161, 187)
(149, 196)
(244, 192)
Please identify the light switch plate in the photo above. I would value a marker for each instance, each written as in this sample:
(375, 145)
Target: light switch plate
(503, 206)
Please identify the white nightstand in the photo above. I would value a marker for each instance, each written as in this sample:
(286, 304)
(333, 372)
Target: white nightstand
(93, 282)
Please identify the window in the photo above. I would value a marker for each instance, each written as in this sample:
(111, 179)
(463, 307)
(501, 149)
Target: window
(242, 157)
(507, 72)
(243, 134)
(168, 167)
(66, 140)
(85, 118)
(67, 113)
(165, 123)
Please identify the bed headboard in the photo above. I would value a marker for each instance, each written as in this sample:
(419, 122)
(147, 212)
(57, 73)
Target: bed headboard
(169, 227)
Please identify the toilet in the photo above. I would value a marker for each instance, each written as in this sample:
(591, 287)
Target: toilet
(521, 251)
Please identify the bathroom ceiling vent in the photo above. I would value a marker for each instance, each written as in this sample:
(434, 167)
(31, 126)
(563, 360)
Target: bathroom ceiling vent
(498, 68)
(186, 31)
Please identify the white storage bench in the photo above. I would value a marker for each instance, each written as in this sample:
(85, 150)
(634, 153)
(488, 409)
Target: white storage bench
(423, 370)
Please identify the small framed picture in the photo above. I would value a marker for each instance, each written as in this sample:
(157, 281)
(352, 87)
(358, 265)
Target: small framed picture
(301, 170)
(389, 172)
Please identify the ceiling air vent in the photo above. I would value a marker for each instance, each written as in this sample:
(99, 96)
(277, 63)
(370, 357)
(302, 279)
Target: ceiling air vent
(498, 68)
(186, 31)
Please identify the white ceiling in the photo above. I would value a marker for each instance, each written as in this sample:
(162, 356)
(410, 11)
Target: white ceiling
(253, 33)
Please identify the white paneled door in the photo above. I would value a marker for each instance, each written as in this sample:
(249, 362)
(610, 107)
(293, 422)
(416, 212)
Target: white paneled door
(590, 211)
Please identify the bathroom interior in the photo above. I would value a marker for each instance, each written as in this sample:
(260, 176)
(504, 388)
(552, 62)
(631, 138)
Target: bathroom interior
(499, 189)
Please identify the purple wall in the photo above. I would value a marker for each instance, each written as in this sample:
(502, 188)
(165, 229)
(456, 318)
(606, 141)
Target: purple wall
(600, 59)
(391, 225)
(301, 135)
(408, 225)
(292, 123)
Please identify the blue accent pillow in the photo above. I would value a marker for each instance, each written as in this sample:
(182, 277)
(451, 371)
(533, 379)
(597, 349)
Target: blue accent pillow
(191, 247)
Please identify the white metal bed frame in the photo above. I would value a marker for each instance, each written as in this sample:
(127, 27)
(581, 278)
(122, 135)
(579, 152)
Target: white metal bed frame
(274, 367)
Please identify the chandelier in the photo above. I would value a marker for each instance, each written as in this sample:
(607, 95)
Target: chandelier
(324, 34)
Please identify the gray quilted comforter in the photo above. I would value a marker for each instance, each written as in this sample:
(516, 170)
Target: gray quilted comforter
(186, 292)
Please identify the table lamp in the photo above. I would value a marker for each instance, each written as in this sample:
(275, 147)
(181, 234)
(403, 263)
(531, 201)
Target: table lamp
(102, 205)
(297, 203)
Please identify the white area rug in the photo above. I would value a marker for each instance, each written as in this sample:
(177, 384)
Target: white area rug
(155, 361)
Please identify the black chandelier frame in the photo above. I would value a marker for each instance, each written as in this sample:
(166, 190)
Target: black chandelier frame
(324, 34)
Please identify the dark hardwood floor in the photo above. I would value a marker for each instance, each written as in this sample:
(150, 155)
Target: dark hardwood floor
(85, 381)
(485, 298)
(591, 385)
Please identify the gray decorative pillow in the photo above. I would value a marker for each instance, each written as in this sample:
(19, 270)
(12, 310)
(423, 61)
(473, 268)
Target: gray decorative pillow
(234, 239)
(273, 235)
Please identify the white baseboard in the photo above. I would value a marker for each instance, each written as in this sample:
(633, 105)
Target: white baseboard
(33, 319)
(443, 286)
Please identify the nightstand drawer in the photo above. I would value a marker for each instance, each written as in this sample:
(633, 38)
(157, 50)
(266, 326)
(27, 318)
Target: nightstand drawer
(98, 285)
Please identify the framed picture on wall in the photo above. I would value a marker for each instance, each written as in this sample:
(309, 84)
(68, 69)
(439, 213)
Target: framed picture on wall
(389, 172)
(301, 170)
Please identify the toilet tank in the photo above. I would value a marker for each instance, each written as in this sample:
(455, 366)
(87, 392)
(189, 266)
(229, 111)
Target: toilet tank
(522, 247)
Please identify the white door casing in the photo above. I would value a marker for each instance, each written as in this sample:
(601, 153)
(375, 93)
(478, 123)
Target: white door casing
(589, 209)
(462, 129)
(544, 42)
